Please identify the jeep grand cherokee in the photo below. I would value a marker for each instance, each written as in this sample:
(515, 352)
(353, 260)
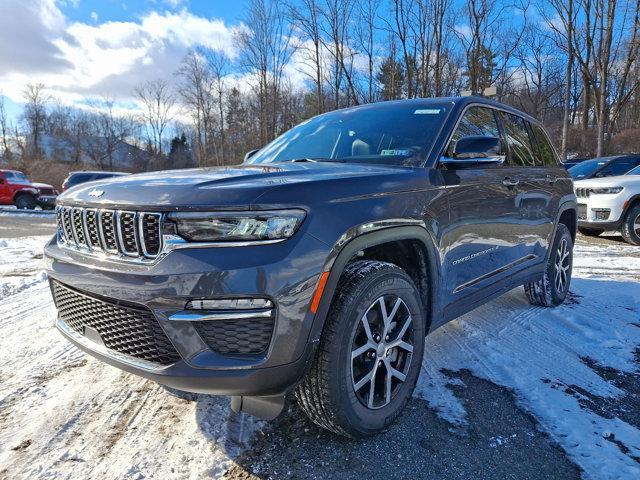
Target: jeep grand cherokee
(318, 265)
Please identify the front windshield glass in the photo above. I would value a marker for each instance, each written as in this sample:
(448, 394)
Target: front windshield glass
(393, 134)
(16, 177)
(586, 168)
(634, 171)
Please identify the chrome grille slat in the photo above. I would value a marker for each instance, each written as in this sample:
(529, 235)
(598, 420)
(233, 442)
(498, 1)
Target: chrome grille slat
(124, 234)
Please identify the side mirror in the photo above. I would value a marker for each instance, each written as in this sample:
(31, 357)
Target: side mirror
(250, 154)
(475, 150)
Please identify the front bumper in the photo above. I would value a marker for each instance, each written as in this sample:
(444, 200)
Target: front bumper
(601, 212)
(285, 272)
(47, 200)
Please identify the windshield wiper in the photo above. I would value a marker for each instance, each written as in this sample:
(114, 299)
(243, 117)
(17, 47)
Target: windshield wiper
(315, 160)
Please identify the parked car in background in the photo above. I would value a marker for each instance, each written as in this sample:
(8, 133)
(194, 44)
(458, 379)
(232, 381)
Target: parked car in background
(16, 189)
(47, 195)
(318, 266)
(610, 204)
(604, 167)
(76, 178)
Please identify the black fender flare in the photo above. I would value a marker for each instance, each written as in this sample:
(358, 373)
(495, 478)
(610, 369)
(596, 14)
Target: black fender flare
(567, 202)
(351, 243)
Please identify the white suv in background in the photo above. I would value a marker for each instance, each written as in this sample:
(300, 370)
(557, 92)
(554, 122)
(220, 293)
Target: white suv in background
(610, 203)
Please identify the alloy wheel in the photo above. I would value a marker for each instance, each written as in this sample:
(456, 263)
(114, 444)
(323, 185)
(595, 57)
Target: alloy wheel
(381, 351)
(562, 264)
(636, 225)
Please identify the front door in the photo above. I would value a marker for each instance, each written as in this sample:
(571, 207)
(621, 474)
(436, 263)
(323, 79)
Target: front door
(484, 239)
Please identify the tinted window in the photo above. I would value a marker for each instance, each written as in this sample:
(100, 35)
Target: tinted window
(520, 146)
(546, 152)
(400, 134)
(617, 167)
(586, 168)
(476, 121)
(635, 171)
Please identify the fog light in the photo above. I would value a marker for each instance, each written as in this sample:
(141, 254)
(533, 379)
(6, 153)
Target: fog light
(230, 304)
(602, 214)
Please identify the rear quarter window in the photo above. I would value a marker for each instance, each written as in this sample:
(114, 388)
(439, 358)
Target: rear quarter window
(521, 151)
(546, 153)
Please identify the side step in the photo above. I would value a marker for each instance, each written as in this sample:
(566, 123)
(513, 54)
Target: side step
(264, 408)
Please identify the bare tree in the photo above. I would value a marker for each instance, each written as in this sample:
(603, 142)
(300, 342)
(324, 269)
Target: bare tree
(219, 66)
(157, 103)
(4, 131)
(366, 29)
(35, 112)
(306, 15)
(196, 94)
(266, 50)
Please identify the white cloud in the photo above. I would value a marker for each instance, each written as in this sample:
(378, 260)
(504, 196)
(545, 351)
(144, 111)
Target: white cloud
(77, 60)
(94, 16)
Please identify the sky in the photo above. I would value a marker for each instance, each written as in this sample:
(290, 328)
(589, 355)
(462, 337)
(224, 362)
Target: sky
(91, 48)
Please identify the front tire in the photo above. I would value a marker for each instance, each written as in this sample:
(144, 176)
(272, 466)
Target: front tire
(25, 202)
(553, 288)
(370, 352)
(631, 226)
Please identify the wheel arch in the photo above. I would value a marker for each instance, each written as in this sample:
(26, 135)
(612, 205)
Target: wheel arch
(353, 246)
(632, 202)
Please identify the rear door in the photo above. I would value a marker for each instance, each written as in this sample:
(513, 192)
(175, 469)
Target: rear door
(484, 241)
(536, 200)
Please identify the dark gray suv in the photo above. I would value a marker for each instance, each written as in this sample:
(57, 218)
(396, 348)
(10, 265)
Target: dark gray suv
(318, 265)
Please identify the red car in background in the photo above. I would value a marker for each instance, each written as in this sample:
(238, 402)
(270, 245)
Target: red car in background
(16, 189)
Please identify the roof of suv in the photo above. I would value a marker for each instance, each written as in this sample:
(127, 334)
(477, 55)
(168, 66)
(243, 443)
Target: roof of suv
(458, 101)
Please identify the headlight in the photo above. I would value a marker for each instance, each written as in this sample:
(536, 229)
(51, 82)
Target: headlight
(605, 190)
(234, 226)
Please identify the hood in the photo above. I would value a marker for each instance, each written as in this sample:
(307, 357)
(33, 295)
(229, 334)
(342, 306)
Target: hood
(42, 185)
(219, 187)
(617, 181)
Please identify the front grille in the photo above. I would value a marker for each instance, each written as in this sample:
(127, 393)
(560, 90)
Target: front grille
(582, 211)
(583, 192)
(114, 232)
(228, 337)
(125, 328)
(46, 191)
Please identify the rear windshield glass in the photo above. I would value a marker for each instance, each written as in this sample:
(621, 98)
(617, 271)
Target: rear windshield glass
(393, 134)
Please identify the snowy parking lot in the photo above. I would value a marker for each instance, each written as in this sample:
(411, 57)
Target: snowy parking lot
(507, 391)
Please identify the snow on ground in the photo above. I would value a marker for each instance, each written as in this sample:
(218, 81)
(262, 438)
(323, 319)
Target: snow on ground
(540, 353)
(66, 415)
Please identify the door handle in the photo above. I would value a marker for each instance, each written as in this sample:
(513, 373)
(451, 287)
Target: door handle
(510, 182)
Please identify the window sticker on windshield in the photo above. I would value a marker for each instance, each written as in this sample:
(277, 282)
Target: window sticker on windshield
(427, 111)
(395, 152)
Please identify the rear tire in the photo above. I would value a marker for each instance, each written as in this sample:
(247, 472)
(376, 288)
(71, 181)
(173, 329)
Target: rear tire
(366, 368)
(553, 288)
(631, 227)
(25, 201)
(589, 232)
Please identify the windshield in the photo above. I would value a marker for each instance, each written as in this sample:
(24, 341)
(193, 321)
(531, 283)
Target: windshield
(393, 134)
(634, 171)
(16, 177)
(586, 168)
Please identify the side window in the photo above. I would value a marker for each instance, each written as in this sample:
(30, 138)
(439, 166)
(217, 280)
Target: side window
(475, 121)
(522, 153)
(547, 153)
